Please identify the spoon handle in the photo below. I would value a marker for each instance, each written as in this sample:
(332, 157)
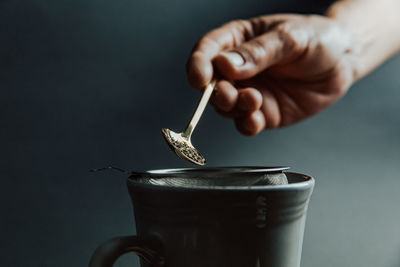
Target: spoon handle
(200, 108)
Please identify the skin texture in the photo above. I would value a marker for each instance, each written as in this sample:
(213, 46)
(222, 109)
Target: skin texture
(277, 70)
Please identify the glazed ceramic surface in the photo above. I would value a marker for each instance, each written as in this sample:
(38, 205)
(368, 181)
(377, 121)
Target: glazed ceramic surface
(214, 225)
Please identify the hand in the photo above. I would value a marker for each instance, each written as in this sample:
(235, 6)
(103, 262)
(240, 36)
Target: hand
(274, 70)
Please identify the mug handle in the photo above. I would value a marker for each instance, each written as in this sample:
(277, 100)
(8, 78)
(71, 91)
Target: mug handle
(147, 248)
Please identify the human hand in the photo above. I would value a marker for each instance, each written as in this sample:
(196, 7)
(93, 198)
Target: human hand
(274, 70)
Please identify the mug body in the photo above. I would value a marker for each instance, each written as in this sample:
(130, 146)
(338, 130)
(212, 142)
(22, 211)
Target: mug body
(222, 226)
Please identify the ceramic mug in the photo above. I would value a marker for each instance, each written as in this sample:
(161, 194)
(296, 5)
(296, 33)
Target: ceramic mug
(213, 226)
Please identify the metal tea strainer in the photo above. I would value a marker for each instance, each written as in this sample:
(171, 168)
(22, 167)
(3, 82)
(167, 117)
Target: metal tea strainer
(214, 177)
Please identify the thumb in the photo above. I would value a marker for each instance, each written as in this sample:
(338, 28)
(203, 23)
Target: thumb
(254, 56)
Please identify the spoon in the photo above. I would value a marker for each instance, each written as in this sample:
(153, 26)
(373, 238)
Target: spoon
(181, 143)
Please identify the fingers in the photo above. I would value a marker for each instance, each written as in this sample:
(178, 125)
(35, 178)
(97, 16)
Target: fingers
(251, 124)
(242, 49)
(270, 109)
(249, 100)
(232, 103)
(242, 105)
(199, 66)
(225, 96)
(200, 70)
(256, 55)
(239, 51)
(251, 110)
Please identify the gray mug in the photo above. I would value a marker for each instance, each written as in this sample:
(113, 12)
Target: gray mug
(197, 225)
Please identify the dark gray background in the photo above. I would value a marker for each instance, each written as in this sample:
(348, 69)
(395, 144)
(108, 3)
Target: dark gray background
(86, 84)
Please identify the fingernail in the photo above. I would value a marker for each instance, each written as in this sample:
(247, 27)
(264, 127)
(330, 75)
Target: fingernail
(235, 58)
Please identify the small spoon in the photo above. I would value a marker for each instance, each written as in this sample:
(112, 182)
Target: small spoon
(181, 142)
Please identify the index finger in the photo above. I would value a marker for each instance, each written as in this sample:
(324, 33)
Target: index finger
(199, 66)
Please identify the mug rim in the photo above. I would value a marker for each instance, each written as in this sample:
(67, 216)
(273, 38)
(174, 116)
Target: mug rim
(162, 173)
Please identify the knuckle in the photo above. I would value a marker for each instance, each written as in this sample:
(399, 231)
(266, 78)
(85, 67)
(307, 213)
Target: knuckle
(294, 39)
(194, 58)
(205, 42)
(196, 55)
(238, 30)
(253, 51)
(261, 26)
(236, 23)
(284, 32)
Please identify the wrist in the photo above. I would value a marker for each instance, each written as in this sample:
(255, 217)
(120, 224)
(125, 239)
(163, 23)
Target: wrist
(361, 37)
(374, 26)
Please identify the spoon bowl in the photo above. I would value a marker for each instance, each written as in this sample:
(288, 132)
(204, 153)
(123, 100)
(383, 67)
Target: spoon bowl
(183, 147)
(180, 143)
